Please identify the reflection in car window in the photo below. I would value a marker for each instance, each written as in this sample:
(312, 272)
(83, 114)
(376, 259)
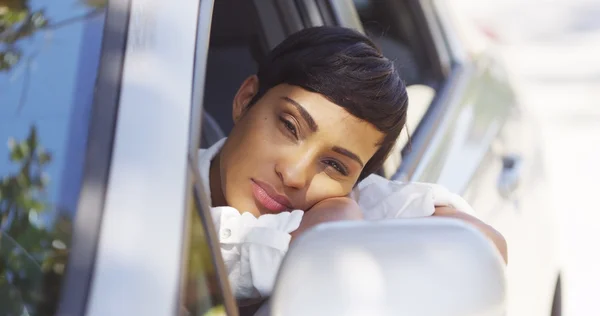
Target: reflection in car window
(49, 54)
(201, 294)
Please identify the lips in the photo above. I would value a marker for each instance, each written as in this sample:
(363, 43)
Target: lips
(268, 197)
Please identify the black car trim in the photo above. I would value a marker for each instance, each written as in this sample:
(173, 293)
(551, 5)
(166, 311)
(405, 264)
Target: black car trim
(270, 22)
(437, 55)
(98, 153)
(290, 16)
(309, 12)
(454, 74)
(326, 12)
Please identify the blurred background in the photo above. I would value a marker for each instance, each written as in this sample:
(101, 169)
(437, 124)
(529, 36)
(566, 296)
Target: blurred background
(552, 49)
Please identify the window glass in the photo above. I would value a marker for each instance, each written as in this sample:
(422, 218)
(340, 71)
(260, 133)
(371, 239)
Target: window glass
(49, 55)
(201, 293)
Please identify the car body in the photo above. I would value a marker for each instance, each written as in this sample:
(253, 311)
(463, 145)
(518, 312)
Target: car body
(101, 203)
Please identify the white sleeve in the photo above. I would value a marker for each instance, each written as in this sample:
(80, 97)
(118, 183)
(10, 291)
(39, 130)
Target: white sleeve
(253, 248)
(380, 198)
(443, 197)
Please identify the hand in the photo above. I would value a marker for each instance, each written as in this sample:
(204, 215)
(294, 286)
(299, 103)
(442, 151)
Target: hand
(329, 210)
(489, 231)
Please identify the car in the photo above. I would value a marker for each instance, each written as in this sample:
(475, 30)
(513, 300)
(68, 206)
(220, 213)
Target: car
(104, 105)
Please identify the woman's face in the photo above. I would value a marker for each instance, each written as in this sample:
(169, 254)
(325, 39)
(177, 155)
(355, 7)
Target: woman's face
(290, 150)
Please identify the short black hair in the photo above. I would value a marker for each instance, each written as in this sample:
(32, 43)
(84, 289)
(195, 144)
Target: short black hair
(348, 69)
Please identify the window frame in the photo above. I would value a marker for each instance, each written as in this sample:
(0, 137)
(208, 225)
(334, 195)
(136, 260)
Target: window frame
(443, 71)
(138, 258)
(429, 133)
(97, 160)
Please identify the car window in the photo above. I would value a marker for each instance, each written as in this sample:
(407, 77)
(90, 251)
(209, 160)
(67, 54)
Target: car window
(49, 55)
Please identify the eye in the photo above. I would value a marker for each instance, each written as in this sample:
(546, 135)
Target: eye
(339, 167)
(289, 126)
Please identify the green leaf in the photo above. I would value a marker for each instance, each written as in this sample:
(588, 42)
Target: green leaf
(44, 158)
(36, 206)
(39, 20)
(17, 154)
(13, 17)
(95, 3)
(32, 139)
(8, 59)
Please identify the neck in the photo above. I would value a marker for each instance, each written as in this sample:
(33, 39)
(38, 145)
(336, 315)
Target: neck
(216, 190)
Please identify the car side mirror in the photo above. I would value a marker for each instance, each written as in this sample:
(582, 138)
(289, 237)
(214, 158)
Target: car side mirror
(427, 266)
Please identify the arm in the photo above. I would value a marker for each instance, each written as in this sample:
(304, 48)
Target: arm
(489, 231)
(337, 209)
(329, 210)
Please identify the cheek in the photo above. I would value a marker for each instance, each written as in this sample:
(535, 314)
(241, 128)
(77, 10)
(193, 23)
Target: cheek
(323, 187)
(250, 149)
(259, 138)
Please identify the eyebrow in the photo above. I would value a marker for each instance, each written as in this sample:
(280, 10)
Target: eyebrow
(348, 154)
(307, 117)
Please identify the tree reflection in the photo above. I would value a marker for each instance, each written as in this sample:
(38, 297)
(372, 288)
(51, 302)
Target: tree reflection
(34, 236)
(33, 246)
(18, 21)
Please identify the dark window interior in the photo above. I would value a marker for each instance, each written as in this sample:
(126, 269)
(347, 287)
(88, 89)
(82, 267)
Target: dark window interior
(235, 45)
(399, 28)
(392, 25)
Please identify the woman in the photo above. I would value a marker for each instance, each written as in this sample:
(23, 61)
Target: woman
(320, 116)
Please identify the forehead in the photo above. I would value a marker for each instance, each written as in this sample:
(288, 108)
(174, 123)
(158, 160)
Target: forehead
(336, 126)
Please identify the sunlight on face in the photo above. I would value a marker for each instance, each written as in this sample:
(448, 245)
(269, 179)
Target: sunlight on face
(290, 150)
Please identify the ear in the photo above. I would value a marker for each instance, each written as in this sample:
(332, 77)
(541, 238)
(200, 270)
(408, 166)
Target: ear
(243, 97)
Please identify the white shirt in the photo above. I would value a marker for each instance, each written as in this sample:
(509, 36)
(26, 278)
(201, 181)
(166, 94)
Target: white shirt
(253, 248)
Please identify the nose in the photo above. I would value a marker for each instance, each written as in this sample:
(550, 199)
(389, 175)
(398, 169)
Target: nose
(296, 169)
